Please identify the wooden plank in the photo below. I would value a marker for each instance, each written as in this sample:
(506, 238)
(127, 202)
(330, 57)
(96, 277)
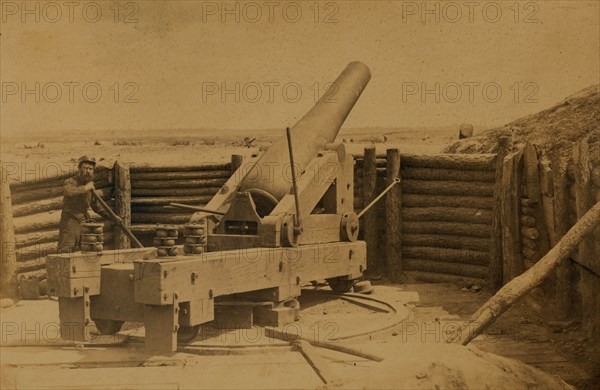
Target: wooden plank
(35, 222)
(534, 193)
(40, 206)
(565, 272)
(157, 192)
(157, 201)
(446, 254)
(447, 214)
(423, 200)
(584, 201)
(369, 221)
(469, 188)
(36, 237)
(180, 175)
(8, 260)
(393, 205)
(170, 184)
(513, 264)
(446, 241)
(448, 174)
(236, 271)
(168, 218)
(484, 162)
(437, 227)
(180, 168)
(439, 267)
(589, 283)
(122, 203)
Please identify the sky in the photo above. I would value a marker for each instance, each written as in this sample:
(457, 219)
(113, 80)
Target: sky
(131, 66)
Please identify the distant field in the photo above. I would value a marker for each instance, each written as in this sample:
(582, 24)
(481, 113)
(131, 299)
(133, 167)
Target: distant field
(27, 157)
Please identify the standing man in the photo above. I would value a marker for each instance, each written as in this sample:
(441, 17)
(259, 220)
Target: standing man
(78, 203)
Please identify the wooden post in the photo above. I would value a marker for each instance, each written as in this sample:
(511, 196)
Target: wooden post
(393, 206)
(495, 274)
(510, 220)
(122, 203)
(370, 218)
(533, 277)
(236, 162)
(565, 273)
(589, 282)
(534, 194)
(8, 259)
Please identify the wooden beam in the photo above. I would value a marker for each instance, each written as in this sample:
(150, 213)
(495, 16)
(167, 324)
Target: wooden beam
(533, 277)
(369, 221)
(468, 188)
(447, 214)
(393, 205)
(437, 227)
(430, 200)
(565, 272)
(484, 162)
(8, 260)
(589, 283)
(513, 264)
(446, 241)
(171, 184)
(448, 174)
(122, 203)
(180, 168)
(446, 254)
(534, 193)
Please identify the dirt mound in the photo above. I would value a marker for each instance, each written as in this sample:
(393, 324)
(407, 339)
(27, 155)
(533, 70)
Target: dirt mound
(449, 366)
(553, 130)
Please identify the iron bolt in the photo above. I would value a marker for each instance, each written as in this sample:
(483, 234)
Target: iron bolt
(131, 277)
(74, 269)
(75, 291)
(86, 289)
(175, 295)
(176, 328)
(165, 297)
(176, 310)
(165, 273)
(194, 277)
(297, 279)
(210, 293)
(350, 253)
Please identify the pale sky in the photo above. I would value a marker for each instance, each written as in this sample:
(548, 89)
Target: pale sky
(170, 66)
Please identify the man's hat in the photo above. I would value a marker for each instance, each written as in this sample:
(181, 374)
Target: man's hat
(86, 159)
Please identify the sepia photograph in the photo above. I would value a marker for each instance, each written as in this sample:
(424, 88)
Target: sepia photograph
(308, 194)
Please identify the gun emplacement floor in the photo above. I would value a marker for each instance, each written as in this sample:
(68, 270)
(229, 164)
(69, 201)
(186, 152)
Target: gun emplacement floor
(412, 341)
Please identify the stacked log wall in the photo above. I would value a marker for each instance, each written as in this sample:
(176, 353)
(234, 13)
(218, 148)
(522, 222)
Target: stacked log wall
(154, 187)
(36, 207)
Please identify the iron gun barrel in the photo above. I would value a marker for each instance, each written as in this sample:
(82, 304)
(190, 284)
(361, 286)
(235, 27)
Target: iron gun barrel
(271, 175)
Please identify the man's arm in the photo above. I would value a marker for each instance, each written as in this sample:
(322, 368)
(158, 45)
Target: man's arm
(72, 189)
(99, 209)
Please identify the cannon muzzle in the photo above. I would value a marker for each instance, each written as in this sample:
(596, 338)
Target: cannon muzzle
(270, 178)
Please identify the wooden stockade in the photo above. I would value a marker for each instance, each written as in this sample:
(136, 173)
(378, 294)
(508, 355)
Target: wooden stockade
(435, 225)
(36, 208)
(154, 187)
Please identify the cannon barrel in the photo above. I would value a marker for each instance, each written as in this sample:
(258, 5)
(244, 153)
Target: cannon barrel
(270, 178)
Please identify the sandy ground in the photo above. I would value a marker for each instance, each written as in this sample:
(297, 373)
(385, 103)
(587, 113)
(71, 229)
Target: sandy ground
(32, 356)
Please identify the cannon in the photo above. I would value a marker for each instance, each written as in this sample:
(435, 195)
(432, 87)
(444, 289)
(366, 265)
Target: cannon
(283, 219)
